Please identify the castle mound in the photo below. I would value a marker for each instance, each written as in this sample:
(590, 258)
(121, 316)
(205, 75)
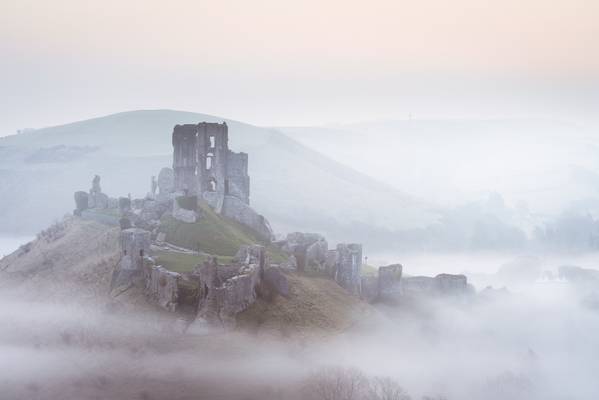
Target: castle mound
(315, 306)
(72, 262)
(73, 259)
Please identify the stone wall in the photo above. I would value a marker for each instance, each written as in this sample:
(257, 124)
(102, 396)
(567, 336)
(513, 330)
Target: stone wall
(389, 278)
(226, 290)
(237, 183)
(308, 250)
(349, 266)
(162, 287)
(440, 285)
(135, 244)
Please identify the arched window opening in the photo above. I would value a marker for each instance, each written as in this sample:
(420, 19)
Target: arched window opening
(212, 185)
(209, 161)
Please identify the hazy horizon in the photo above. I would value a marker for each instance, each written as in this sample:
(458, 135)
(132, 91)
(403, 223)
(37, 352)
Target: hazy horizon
(304, 63)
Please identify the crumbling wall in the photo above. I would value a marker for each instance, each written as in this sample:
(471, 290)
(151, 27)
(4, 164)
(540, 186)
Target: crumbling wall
(349, 266)
(440, 285)
(162, 287)
(226, 290)
(135, 246)
(331, 261)
(135, 243)
(389, 278)
(369, 288)
(251, 254)
(185, 158)
(308, 249)
(237, 182)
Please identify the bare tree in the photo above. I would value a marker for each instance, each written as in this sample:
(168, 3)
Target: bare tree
(336, 383)
(385, 388)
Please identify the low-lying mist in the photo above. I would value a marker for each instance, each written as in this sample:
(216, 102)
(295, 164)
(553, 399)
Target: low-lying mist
(536, 342)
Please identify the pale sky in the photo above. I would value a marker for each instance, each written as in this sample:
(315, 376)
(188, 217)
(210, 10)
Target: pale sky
(276, 62)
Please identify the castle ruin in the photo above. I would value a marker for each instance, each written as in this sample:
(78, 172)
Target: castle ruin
(205, 166)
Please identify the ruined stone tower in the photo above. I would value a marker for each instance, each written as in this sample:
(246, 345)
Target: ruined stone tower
(204, 165)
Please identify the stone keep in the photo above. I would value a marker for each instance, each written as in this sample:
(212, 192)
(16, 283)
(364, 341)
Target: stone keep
(348, 266)
(204, 166)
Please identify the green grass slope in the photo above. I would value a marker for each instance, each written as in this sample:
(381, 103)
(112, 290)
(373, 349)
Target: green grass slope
(212, 233)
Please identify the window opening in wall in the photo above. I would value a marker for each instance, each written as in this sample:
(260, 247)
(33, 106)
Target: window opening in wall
(209, 161)
(212, 185)
(212, 142)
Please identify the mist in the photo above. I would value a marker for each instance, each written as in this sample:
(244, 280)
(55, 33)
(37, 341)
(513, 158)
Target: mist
(315, 200)
(535, 343)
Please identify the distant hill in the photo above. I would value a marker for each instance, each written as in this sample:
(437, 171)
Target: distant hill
(542, 164)
(296, 187)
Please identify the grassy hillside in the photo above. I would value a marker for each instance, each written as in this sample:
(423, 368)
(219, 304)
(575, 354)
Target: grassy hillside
(546, 164)
(212, 233)
(74, 262)
(315, 306)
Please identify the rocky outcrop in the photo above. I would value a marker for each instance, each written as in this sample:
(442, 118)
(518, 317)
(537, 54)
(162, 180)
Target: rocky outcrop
(237, 210)
(162, 287)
